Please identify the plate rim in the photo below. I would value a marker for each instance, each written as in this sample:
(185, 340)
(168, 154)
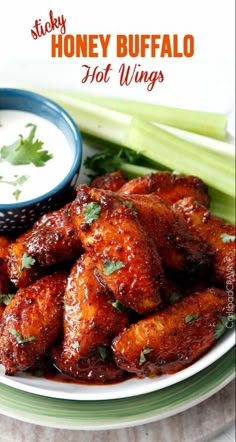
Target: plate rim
(182, 375)
(145, 417)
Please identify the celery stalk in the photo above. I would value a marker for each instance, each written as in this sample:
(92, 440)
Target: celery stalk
(175, 153)
(206, 123)
(223, 148)
(134, 171)
(93, 119)
(222, 205)
(156, 144)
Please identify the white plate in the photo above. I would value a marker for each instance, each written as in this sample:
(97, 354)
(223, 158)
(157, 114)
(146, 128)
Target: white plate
(129, 388)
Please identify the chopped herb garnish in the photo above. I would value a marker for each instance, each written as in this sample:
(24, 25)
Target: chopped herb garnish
(142, 358)
(91, 212)
(5, 299)
(190, 318)
(111, 266)
(222, 325)
(16, 194)
(120, 307)
(174, 298)
(27, 262)
(26, 150)
(19, 338)
(106, 161)
(76, 345)
(227, 238)
(102, 352)
(18, 181)
(131, 205)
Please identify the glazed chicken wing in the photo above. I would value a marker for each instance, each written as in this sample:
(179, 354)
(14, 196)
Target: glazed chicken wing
(110, 181)
(219, 235)
(50, 241)
(90, 318)
(169, 341)
(168, 186)
(180, 250)
(92, 369)
(4, 244)
(31, 322)
(125, 257)
(4, 281)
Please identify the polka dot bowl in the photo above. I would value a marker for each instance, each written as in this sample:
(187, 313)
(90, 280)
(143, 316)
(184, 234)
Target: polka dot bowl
(17, 217)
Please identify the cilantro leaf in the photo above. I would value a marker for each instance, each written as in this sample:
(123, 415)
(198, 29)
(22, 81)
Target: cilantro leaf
(106, 161)
(27, 262)
(223, 324)
(18, 181)
(91, 212)
(26, 150)
(118, 306)
(227, 238)
(190, 318)
(131, 205)
(16, 194)
(102, 352)
(103, 162)
(21, 180)
(111, 266)
(5, 299)
(142, 357)
(19, 338)
(174, 297)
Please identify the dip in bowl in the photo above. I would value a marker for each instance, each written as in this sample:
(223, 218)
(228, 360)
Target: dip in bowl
(40, 158)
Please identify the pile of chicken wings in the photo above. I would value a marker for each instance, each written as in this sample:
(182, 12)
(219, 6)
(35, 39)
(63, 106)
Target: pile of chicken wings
(130, 277)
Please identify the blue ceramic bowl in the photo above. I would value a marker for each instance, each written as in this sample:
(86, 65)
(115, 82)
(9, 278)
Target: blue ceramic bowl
(19, 216)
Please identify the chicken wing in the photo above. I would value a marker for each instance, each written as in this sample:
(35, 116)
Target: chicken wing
(31, 322)
(170, 187)
(91, 318)
(180, 250)
(110, 181)
(4, 292)
(51, 240)
(125, 257)
(4, 281)
(169, 341)
(4, 244)
(93, 369)
(217, 234)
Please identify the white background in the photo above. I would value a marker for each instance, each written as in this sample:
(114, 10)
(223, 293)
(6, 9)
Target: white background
(205, 81)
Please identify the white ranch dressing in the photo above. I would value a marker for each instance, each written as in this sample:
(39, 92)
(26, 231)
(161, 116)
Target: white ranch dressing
(40, 179)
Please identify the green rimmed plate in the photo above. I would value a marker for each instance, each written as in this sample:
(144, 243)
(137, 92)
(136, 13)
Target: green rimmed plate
(111, 414)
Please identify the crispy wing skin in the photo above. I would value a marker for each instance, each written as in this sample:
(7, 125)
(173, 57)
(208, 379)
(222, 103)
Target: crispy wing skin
(4, 244)
(21, 276)
(125, 257)
(212, 231)
(169, 341)
(180, 250)
(51, 240)
(169, 186)
(90, 320)
(110, 181)
(2, 308)
(4, 290)
(35, 312)
(90, 370)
